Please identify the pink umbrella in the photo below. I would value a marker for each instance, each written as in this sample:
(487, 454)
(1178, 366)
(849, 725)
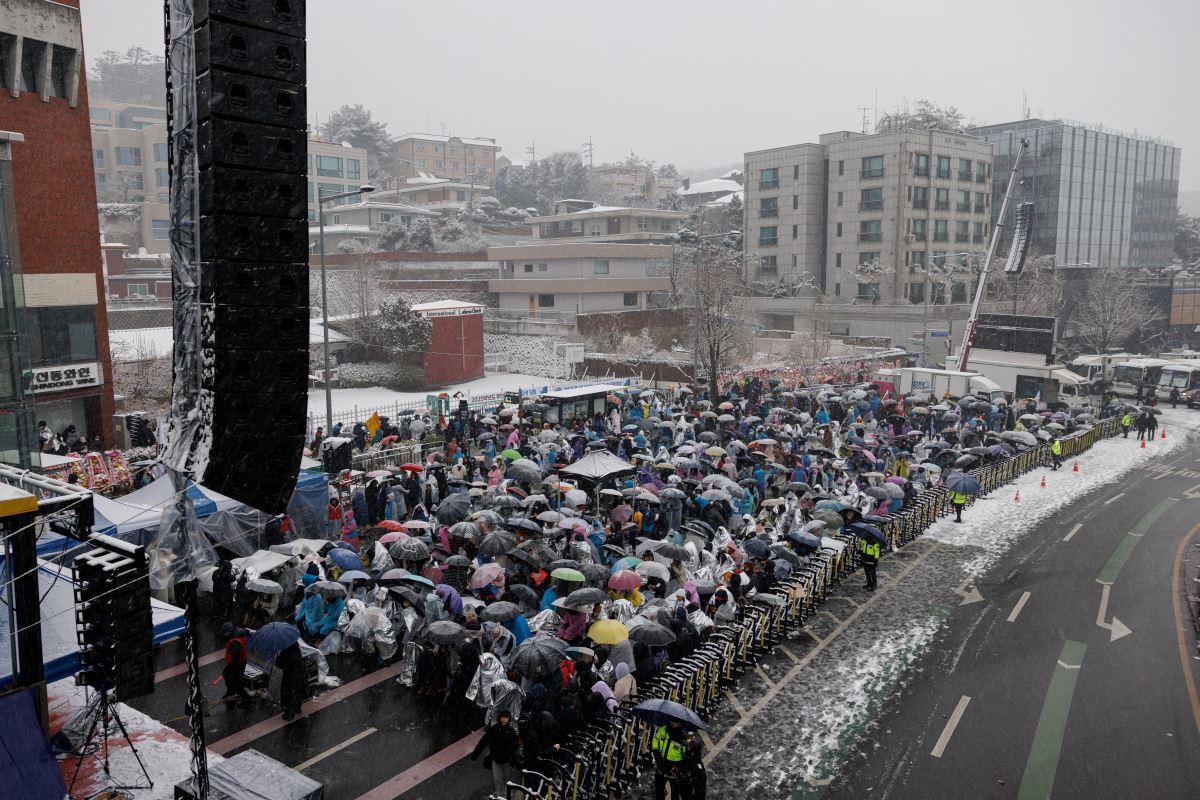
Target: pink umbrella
(392, 536)
(625, 581)
(488, 573)
(417, 525)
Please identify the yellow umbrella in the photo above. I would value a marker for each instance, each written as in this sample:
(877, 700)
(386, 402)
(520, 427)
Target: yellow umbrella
(608, 631)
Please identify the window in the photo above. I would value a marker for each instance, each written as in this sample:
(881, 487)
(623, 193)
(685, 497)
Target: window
(438, 164)
(160, 152)
(980, 233)
(941, 230)
(920, 197)
(779, 322)
(769, 178)
(768, 264)
(642, 224)
(964, 169)
(129, 156)
(871, 200)
(437, 148)
(545, 301)
(61, 335)
(869, 257)
(62, 66)
(921, 168)
(916, 258)
(160, 229)
(870, 230)
(958, 292)
(795, 172)
(101, 183)
(385, 216)
(329, 166)
(98, 159)
(981, 172)
(839, 199)
(837, 261)
(460, 196)
(795, 231)
(868, 291)
(961, 231)
(872, 167)
(919, 230)
(942, 200)
(420, 148)
(629, 299)
(916, 293)
(943, 166)
(839, 229)
(310, 191)
(353, 169)
(963, 201)
(543, 266)
(162, 179)
(980, 202)
(101, 115)
(768, 236)
(938, 260)
(327, 189)
(768, 207)
(137, 290)
(600, 266)
(841, 168)
(795, 202)
(132, 181)
(32, 52)
(422, 163)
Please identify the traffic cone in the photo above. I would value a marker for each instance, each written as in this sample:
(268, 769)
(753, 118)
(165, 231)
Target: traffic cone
(1143, 444)
(1075, 467)
(1043, 481)
(1017, 496)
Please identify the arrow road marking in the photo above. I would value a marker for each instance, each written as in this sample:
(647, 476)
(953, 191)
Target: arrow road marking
(1193, 492)
(1017, 608)
(968, 596)
(1116, 627)
(951, 724)
(1073, 531)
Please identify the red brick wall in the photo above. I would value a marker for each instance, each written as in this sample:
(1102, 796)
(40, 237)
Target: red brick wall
(58, 230)
(455, 352)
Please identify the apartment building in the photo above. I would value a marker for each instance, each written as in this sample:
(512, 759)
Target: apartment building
(451, 157)
(334, 168)
(56, 360)
(129, 161)
(1100, 196)
(585, 220)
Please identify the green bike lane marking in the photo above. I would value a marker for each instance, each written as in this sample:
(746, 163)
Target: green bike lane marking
(1038, 781)
(1125, 547)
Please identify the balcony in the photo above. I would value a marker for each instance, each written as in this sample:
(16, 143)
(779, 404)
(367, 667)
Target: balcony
(980, 209)
(961, 237)
(921, 172)
(941, 205)
(867, 174)
(768, 213)
(771, 242)
(873, 236)
(964, 176)
(918, 236)
(769, 184)
(921, 204)
(980, 178)
(941, 236)
(962, 207)
(944, 173)
(871, 205)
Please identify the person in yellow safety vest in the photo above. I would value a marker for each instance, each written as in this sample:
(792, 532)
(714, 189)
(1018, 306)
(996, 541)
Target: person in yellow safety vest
(868, 551)
(1056, 453)
(958, 500)
(1126, 424)
(669, 746)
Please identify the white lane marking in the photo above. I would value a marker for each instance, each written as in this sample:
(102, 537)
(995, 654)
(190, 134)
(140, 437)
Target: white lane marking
(1065, 665)
(340, 746)
(1017, 608)
(951, 724)
(1073, 531)
(1114, 498)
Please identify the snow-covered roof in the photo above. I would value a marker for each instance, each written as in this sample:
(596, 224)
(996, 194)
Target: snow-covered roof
(315, 230)
(433, 137)
(726, 199)
(447, 308)
(381, 205)
(711, 186)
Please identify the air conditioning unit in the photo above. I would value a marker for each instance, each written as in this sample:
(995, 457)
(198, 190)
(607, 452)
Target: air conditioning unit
(910, 238)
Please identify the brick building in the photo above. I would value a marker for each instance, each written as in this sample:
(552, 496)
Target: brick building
(455, 352)
(50, 213)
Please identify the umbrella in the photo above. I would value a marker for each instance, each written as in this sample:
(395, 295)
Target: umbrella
(510, 454)
(345, 559)
(829, 505)
(351, 575)
(523, 594)
(652, 634)
(421, 579)
(653, 569)
(626, 562)
(805, 539)
(502, 611)
(962, 483)
(329, 589)
(533, 552)
(505, 501)
(524, 470)
(716, 494)
(412, 468)
(409, 549)
(867, 531)
(671, 551)
(263, 586)
(659, 709)
(608, 631)
(270, 639)
(595, 573)
(624, 580)
(538, 655)
(523, 524)
(568, 574)
(454, 508)
(404, 593)
(549, 516)
(577, 497)
(496, 543)
(444, 632)
(782, 551)
(417, 525)
(488, 573)
(464, 530)
(587, 596)
(379, 473)
(392, 536)
(563, 563)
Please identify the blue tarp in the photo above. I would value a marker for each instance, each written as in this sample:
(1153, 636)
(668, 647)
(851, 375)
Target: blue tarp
(28, 770)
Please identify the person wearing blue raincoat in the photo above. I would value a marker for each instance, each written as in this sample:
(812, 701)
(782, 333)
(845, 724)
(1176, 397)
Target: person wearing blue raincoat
(519, 628)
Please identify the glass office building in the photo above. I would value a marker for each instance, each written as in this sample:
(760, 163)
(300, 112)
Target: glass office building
(1099, 197)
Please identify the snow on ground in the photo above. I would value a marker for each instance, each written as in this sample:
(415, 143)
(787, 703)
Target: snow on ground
(377, 398)
(995, 522)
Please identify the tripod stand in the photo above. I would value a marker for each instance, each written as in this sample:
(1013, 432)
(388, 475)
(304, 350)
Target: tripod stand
(104, 715)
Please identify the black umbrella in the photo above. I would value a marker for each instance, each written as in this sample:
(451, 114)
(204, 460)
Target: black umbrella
(652, 634)
(496, 543)
(409, 549)
(588, 596)
(465, 530)
(523, 524)
(444, 632)
(502, 611)
(563, 563)
(756, 548)
(538, 655)
(454, 508)
(595, 572)
(671, 551)
(523, 594)
(403, 592)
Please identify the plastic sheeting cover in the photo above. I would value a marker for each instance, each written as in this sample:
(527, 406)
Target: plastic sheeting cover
(251, 774)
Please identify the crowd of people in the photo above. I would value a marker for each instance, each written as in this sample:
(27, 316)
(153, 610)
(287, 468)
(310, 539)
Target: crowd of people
(538, 570)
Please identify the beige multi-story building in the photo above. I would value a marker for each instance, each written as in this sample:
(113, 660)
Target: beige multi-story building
(859, 217)
(636, 185)
(450, 157)
(129, 159)
(583, 219)
(334, 168)
(438, 194)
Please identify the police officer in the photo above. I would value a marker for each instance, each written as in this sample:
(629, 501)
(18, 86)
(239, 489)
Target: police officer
(958, 500)
(1126, 424)
(1056, 453)
(669, 746)
(868, 551)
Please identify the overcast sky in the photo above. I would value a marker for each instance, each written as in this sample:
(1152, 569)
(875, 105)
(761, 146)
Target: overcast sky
(698, 82)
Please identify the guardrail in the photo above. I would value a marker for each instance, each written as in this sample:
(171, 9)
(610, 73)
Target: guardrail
(609, 758)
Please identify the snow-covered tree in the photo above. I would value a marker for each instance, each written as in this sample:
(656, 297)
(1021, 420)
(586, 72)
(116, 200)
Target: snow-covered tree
(1115, 311)
(672, 201)
(1187, 238)
(922, 115)
(354, 124)
(668, 171)
(394, 236)
(399, 330)
(420, 235)
(734, 213)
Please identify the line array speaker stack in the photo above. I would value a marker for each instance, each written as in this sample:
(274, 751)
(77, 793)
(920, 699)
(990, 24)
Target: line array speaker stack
(1022, 229)
(252, 155)
(113, 621)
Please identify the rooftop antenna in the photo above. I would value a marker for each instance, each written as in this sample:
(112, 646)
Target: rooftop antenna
(531, 151)
(1025, 110)
(865, 121)
(443, 124)
(588, 152)
(876, 122)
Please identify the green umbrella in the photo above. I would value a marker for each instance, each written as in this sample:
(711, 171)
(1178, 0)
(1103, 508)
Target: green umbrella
(511, 455)
(568, 574)
(832, 520)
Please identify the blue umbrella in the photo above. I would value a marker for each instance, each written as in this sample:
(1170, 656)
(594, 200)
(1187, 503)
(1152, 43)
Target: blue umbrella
(656, 710)
(962, 483)
(421, 579)
(828, 505)
(805, 539)
(867, 531)
(353, 575)
(266, 642)
(346, 559)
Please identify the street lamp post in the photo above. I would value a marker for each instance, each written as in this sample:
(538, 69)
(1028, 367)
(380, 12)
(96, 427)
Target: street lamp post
(321, 201)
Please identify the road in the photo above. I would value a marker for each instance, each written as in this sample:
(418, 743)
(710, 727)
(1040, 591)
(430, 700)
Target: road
(857, 704)
(1067, 680)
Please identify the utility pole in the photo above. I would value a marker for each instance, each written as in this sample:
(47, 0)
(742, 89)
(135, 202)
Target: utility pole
(589, 152)
(531, 151)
